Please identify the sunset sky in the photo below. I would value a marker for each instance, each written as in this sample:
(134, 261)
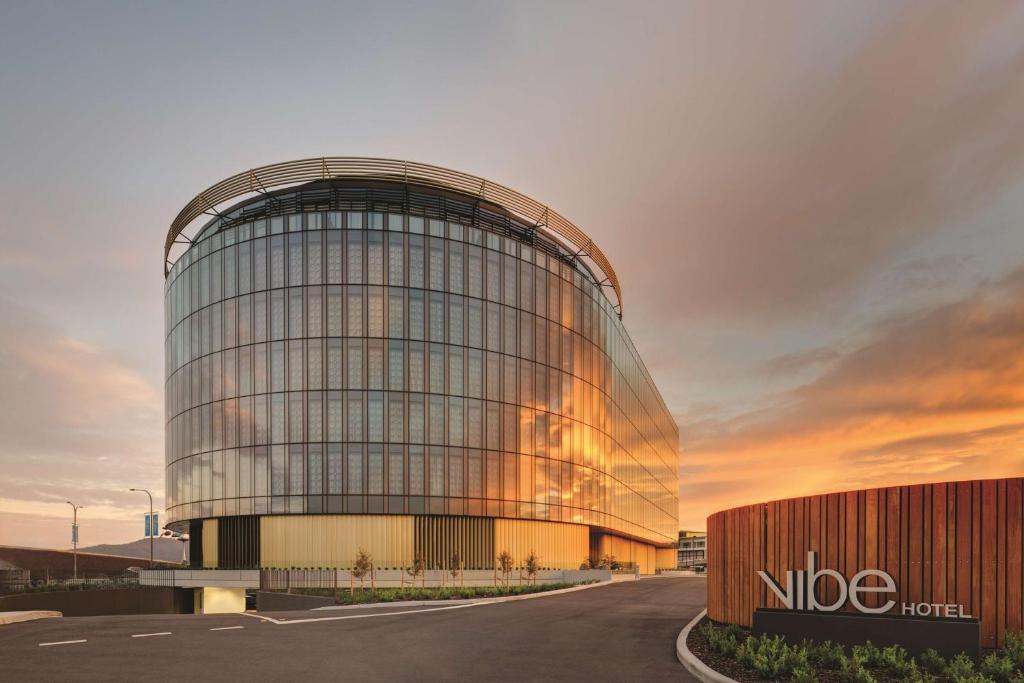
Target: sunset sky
(816, 211)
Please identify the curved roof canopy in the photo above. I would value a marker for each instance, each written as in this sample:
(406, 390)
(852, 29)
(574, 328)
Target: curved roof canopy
(262, 178)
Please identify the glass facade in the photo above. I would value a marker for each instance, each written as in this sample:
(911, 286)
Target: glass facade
(351, 349)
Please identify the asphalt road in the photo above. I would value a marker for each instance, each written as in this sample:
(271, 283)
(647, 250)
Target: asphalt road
(621, 632)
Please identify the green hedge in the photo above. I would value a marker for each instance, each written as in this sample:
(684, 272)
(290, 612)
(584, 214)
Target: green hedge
(772, 658)
(359, 596)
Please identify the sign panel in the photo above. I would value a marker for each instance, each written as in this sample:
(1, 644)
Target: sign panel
(800, 592)
(152, 525)
(74, 534)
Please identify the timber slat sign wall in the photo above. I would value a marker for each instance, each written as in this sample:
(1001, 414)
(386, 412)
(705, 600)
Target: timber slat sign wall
(956, 542)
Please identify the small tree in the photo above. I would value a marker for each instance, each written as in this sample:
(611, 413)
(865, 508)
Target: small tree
(416, 569)
(588, 563)
(532, 566)
(362, 566)
(454, 566)
(609, 562)
(505, 564)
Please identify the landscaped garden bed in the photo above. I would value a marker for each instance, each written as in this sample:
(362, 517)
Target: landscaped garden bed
(359, 596)
(734, 652)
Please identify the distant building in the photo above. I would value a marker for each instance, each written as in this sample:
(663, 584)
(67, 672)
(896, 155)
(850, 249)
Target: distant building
(692, 545)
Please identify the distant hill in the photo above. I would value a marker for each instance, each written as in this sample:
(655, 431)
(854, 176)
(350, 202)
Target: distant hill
(166, 549)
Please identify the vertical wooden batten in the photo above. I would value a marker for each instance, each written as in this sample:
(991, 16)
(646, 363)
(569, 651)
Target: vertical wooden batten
(956, 542)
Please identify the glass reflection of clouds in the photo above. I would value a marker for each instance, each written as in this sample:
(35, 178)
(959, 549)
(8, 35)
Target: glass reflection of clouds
(366, 357)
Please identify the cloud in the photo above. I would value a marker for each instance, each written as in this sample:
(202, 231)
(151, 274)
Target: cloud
(935, 397)
(770, 180)
(75, 422)
(801, 361)
(821, 165)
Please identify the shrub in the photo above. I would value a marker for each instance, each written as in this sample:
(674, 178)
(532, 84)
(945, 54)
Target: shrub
(960, 668)
(770, 663)
(720, 639)
(933, 662)
(727, 646)
(746, 652)
(734, 630)
(771, 657)
(803, 674)
(867, 654)
(1014, 648)
(998, 667)
(913, 673)
(827, 655)
(854, 671)
(895, 662)
(797, 658)
(974, 678)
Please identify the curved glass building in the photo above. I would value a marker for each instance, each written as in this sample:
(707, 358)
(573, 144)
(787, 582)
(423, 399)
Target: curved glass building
(397, 357)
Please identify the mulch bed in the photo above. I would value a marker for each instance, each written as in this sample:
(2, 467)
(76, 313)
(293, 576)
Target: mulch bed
(698, 644)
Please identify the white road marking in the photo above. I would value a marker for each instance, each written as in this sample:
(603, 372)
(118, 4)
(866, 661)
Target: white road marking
(62, 642)
(480, 603)
(147, 635)
(225, 628)
(285, 622)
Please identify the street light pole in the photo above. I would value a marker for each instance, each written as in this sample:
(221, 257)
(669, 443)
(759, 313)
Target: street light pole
(151, 529)
(74, 533)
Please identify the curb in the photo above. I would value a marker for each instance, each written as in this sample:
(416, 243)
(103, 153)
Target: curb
(32, 615)
(699, 670)
(463, 601)
(396, 603)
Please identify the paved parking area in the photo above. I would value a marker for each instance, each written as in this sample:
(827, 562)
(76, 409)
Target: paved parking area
(620, 632)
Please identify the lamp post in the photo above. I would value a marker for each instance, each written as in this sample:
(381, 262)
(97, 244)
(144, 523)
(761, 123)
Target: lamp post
(74, 533)
(151, 529)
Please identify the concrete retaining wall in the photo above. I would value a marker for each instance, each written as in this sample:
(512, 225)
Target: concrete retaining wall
(89, 603)
(282, 602)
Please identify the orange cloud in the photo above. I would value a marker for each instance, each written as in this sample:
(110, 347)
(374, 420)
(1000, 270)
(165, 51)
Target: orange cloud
(936, 397)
